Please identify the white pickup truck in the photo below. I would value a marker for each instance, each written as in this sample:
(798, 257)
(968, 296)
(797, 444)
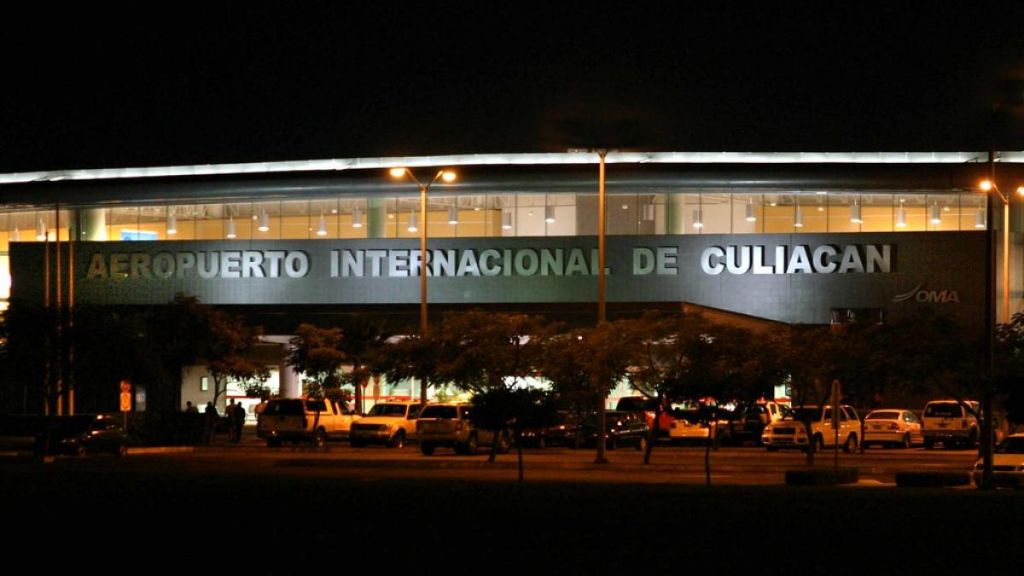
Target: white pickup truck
(304, 419)
(790, 432)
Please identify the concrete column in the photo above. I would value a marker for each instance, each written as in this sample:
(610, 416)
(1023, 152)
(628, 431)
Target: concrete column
(89, 224)
(291, 386)
(376, 218)
(675, 213)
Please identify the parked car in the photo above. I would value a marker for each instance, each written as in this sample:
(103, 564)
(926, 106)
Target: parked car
(791, 431)
(80, 435)
(689, 427)
(1007, 463)
(621, 429)
(562, 433)
(449, 425)
(390, 423)
(892, 427)
(309, 419)
(648, 408)
(746, 422)
(951, 422)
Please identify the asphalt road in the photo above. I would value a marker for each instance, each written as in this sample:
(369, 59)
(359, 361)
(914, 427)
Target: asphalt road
(293, 509)
(669, 465)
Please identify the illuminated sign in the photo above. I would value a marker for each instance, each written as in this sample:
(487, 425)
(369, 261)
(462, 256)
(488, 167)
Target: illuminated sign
(799, 259)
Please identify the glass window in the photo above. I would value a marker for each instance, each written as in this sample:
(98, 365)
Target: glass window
(944, 212)
(877, 212)
(204, 383)
(295, 221)
(747, 213)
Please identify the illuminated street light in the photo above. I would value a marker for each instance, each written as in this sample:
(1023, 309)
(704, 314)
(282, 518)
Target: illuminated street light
(446, 176)
(990, 320)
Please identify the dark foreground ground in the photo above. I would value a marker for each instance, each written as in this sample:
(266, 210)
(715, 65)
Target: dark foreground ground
(153, 514)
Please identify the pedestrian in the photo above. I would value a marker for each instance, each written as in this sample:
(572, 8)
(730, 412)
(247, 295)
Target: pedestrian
(191, 408)
(237, 421)
(211, 421)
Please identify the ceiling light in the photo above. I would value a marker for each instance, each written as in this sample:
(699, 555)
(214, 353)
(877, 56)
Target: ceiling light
(322, 229)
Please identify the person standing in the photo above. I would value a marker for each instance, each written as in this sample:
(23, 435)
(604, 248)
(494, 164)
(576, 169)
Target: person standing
(237, 421)
(211, 421)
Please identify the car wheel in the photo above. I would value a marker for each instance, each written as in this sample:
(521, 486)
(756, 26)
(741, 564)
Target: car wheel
(356, 443)
(399, 439)
(906, 441)
(642, 444)
(929, 443)
(851, 443)
(470, 446)
(80, 450)
(427, 449)
(819, 443)
(612, 444)
(273, 443)
(121, 451)
(772, 448)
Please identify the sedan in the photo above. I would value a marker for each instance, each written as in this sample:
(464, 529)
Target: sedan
(892, 427)
(1007, 463)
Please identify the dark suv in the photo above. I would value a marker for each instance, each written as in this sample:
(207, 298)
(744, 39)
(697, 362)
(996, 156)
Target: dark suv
(80, 435)
(622, 429)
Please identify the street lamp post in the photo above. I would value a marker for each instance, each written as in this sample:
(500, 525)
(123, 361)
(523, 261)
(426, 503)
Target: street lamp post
(990, 320)
(446, 176)
(602, 417)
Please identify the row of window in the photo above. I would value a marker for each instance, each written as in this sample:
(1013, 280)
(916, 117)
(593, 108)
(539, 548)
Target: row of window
(508, 215)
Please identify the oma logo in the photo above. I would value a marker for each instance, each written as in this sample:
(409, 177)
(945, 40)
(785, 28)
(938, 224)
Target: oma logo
(928, 296)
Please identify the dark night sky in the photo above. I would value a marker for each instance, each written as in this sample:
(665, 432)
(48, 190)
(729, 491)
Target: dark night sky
(174, 84)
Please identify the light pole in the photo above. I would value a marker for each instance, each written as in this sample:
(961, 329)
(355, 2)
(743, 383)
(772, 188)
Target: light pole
(990, 320)
(602, 417)
(446, 176)
(991, 186)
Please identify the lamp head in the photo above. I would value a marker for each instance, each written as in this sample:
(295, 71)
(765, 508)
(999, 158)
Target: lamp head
(448, 176)
(985, 185)
(398, 172)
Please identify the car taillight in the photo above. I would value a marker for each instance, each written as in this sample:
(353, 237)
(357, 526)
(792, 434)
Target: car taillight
(894, 426)
(459, 425)
(963, 423)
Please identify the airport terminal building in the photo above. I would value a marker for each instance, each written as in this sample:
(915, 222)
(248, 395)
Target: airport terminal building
(783, 237)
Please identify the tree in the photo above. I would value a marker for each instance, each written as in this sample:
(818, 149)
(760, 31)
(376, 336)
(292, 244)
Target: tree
(685, 356)
(362, 336)
(413, 356)
(564, 363)
(225, 354)
(605, 361)
(489, 353)
(516, 409)
(317, 353)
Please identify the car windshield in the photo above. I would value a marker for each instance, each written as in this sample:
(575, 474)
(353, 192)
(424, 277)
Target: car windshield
(885, 415)
(943, 410)
(1012, 445)
(387, 410)
(440, 412)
